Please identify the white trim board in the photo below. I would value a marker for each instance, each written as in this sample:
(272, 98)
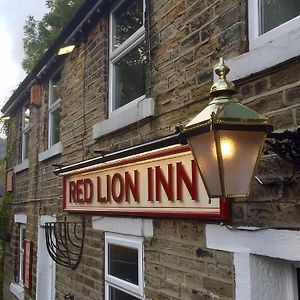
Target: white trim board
(24, 165)
(126, 115)
(21, 218)
(17, 290)
(263, 260)
(54, 150)
(283, 244)
(131, 226)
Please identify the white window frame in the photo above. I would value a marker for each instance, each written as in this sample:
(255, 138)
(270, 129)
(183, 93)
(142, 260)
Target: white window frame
(116, 54)
(17, 288)
(258, 40)
(22, 228)
(266, 50)
(24, 132)
(137, 109)
(53, 106)
(111, 281)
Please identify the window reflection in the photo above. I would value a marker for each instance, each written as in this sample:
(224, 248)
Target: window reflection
(130, 76)
(128, 18)
(273, 13)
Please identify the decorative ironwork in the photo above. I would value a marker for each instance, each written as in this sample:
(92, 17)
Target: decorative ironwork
(285, 144)
(69, 296)
(65, 241)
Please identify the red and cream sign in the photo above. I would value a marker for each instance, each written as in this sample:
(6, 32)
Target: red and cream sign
(161, 182)
(27, 264)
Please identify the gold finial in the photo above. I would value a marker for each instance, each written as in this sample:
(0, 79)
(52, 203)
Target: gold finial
(222, 85)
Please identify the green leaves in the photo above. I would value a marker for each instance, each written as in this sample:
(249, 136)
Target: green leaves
(38, 35)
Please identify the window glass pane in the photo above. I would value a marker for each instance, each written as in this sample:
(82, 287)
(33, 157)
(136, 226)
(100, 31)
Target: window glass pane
(26, 118)
(21, 253)
(55, 87)
(55, 122)
(22, 236)
(129, 76)
(128, 18)
(115, 294)
(123, 263)
(276, 12)
(25, 144)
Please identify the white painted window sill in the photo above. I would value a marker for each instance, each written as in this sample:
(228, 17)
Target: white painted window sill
(21, 218)
(138, 226)
(22, 166)
(270, 54)
(124, 117)
(17, 290)
(54, 150)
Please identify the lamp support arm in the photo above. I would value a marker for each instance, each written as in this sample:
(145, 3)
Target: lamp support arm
(285, 144)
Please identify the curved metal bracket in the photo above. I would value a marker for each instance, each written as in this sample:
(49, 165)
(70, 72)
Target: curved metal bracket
(65, 242)
(286, 145)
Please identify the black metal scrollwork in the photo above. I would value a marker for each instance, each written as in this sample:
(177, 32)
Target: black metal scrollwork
(65, 241)
(286, 145)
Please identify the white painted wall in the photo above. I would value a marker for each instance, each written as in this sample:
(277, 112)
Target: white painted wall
(263, 260)
(272, 279)
(45, 287)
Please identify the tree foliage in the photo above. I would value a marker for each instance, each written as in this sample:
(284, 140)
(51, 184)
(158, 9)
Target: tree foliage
(38, 35)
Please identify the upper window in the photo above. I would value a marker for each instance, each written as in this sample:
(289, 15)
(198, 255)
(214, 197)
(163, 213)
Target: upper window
(123, 267)
(54, 108)
(127, 53)
(269, 19)
(25, 132)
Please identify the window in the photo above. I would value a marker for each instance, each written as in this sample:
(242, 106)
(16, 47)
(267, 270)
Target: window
(274, 25)
(25, 132)
(269, 19)
(127, 54)
(127, 61)
(123, 267)
(24, 139)
(16, 287)
(54, 108)
(19, 278)
(273, 13)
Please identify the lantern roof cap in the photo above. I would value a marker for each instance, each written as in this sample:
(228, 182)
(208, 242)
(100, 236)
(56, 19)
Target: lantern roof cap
(224, 108)
(222, 86)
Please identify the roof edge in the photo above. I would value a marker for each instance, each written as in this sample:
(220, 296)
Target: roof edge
(73, 26)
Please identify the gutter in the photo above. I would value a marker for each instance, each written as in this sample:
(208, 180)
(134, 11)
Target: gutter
(81, 18)
(170, 140)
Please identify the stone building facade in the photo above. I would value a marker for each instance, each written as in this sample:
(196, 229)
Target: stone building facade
(63, 114)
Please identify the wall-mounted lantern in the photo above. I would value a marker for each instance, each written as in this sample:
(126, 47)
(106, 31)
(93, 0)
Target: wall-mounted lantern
(66, 49)
(226, 139)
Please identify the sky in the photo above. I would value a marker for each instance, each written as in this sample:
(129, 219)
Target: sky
(13, 14)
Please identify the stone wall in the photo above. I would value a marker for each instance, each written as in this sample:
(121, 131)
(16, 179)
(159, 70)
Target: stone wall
(276, 204)
(178, 265)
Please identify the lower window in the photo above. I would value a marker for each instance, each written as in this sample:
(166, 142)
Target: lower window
(124, 274)
(19, 266)
(116, 294)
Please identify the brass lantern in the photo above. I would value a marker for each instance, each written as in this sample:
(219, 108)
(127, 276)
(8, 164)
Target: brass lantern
(226, 139)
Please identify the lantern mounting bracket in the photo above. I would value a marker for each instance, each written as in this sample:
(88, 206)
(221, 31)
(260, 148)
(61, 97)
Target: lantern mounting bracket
(64, 241)
(285, 144)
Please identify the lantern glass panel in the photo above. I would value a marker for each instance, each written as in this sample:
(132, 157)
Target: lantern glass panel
(204, 149)
(240, 152)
